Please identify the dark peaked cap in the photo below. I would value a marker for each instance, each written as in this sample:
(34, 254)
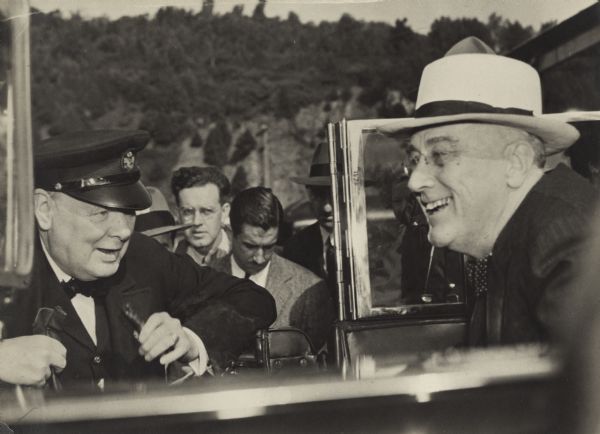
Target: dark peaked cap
(96, 166)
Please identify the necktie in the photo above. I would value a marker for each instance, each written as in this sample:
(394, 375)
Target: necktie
(476, 270)
(329, 265)
(330, 268)
(71, 288)
(90, 289)
(477, 275)
(97, 290)
(247, 275)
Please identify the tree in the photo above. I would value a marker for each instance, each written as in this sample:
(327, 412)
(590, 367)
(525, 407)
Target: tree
(196, 141)
(513, 34)
(293, 19)
(547, 25)
(217, 145)
(163, 127)
(238, 10)
(445, 32)
(207, 8)
(239, 181)
(245, 144)
(259, 10)
(507, 34)
(284, 107)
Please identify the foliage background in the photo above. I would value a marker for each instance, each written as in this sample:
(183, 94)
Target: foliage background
(213, 89)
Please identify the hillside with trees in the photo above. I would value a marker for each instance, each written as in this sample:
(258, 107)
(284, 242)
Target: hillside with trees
(213, 89)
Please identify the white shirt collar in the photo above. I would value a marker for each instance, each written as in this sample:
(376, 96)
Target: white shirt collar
(60, 274)
(224, 244)
(259, 278)
(84, 305)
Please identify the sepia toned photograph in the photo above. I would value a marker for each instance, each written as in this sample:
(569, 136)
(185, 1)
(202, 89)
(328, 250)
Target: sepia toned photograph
(299, 216)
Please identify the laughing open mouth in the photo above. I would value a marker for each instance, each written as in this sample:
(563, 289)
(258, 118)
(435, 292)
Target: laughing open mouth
(435, 206)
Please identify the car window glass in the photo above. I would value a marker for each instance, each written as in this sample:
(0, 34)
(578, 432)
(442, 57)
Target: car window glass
(405, 269)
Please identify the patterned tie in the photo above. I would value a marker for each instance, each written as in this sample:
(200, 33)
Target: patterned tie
(477, 275)
(476, 270)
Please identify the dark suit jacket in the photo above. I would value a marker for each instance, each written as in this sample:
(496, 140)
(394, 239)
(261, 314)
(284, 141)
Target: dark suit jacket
(223, 311)
(302, 298)
(306, 248)
(536, 259)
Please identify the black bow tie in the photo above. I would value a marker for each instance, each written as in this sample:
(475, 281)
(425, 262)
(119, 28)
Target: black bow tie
(90, 289)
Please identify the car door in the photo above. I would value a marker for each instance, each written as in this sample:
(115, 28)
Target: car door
(398, 295)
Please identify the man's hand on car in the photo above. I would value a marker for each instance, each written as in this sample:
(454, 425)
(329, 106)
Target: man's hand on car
(28, 359)
(163, 335)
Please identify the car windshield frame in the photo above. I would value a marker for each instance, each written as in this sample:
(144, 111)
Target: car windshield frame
(16, 222)
(349, 145)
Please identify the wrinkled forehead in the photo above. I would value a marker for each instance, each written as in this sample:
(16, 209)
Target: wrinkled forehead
(206, 195)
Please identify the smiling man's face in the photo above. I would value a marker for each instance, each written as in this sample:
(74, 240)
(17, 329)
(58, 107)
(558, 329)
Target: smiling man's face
(87, 241)
(458, 172)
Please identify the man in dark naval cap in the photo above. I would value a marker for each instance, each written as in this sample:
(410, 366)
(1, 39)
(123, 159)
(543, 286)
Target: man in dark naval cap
(108, 303)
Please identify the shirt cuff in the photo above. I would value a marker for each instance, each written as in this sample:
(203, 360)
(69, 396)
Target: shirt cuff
(198, 365)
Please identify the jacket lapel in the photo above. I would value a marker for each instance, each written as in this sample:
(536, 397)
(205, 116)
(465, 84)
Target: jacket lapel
(316, 250)
(277, 283)
(53, 295)
(123, 291)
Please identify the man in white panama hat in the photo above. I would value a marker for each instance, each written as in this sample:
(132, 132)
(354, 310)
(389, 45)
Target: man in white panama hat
(478, 143)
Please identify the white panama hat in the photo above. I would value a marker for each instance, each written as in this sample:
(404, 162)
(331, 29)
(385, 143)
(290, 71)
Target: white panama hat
(472, 84)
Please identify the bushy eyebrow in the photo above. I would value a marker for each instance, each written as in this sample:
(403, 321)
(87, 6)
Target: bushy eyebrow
(432, 141)
(440, 139)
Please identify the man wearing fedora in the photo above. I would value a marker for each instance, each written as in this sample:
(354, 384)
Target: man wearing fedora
(106, 303)
(477, 147)
(312, 247)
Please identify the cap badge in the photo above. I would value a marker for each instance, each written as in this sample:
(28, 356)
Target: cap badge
(128, 160)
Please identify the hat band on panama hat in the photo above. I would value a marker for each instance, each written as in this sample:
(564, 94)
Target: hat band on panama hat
(456, 107)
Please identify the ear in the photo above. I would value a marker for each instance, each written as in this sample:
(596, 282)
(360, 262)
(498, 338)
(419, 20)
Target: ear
(520, 158)
(225, 212)
(43, 208)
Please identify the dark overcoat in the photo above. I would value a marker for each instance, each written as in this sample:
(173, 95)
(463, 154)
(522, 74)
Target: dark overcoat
(306, 248)
(223, 311)
(535, 263)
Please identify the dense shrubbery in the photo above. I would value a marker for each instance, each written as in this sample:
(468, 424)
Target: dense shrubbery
(180, 66)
